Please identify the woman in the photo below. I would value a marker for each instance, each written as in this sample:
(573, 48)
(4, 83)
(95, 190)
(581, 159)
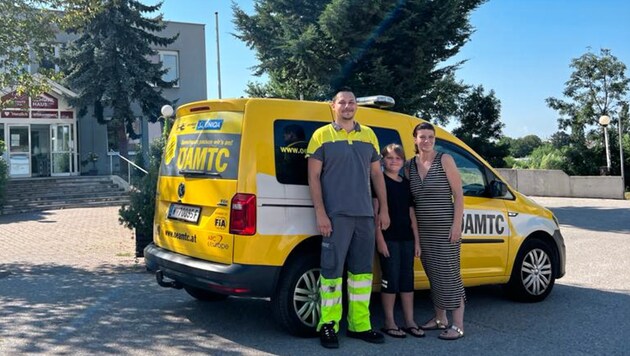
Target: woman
(438, 201)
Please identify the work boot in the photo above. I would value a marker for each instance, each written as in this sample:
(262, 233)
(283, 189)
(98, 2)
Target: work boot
(328, 336)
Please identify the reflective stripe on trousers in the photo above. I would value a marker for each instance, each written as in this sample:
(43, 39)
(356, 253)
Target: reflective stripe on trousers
(330, 291)
(359, 292)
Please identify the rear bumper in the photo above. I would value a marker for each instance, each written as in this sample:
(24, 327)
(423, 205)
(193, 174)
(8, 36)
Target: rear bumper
(234, 279)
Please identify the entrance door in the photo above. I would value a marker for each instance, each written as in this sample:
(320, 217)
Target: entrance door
(19, 148)
(61, 149)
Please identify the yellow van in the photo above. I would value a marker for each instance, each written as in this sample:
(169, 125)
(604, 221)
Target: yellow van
(234, 214)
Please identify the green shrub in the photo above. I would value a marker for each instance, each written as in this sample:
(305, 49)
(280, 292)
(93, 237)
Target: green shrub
(139, 213)
(4, 175)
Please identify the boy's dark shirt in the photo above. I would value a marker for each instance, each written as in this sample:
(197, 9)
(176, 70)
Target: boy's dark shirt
(399, 200)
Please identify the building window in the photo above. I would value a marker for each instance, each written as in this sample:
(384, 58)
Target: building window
(49, 59)
(170, 62)
(133, 146)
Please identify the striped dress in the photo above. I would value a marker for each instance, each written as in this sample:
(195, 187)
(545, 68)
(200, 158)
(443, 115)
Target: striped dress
(434, 209)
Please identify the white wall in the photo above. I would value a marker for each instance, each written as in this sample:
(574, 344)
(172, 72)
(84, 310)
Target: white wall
(556, 183)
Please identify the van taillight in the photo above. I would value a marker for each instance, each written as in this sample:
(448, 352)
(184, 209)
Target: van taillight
(243, 214)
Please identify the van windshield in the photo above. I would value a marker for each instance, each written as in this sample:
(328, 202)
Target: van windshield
(204, 145)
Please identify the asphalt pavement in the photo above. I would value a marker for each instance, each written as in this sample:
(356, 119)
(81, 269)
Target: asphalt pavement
(69, 284)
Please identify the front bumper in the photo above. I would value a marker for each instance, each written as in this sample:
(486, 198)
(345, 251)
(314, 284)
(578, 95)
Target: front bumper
(234, 279)
(562, 253)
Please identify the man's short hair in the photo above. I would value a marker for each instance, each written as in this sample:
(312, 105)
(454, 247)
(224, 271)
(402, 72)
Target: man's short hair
(341, 90)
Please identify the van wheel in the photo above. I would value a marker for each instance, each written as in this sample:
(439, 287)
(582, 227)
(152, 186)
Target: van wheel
(296, 304)
(533, 275)
(204, 295)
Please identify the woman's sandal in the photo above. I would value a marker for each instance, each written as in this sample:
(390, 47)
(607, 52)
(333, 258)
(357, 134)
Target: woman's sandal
(433, 324)
(445, 335)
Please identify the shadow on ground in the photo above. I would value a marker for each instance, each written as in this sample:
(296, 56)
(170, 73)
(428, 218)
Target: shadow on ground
(594, 218)
(29, 216)
(119, 310)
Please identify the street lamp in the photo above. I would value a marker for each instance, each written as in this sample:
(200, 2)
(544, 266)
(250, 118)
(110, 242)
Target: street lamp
(167, 112)
(622, 115)
(604, 120)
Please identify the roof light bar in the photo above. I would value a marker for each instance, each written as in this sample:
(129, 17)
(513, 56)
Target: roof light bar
(378, 101)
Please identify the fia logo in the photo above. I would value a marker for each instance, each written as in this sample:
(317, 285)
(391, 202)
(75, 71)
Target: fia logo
(220, 223)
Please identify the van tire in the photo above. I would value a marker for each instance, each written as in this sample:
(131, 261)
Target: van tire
(204, 295)
(534, 272)
(296, 305)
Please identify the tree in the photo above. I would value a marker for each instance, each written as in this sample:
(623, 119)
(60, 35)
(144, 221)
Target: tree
(560, 139)
(544, 157)
(596, 87)
(27, 33)
(397, 48)
(109, 66)
(480, 125)
(523, 146)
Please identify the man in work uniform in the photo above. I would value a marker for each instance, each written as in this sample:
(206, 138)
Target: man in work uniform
(342, 157)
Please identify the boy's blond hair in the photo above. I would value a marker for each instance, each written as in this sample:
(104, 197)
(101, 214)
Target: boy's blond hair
(393, 147)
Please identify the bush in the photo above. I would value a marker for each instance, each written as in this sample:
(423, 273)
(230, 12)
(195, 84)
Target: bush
(139, 213)
(4, 175)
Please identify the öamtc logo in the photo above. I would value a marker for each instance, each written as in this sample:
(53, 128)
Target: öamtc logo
(209, 124)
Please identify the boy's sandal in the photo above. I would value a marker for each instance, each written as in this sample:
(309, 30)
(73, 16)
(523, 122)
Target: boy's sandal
(414, 331)
(446, 336)
(433, 324)
(397, 332)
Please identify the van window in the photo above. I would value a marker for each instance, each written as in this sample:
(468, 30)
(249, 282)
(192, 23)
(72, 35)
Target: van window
(291, 139)
(471, 170)
(204, 146)
(290, 142)
(386, 136)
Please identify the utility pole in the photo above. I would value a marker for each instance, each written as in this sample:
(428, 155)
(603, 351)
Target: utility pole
(216, 17)
(623, 115)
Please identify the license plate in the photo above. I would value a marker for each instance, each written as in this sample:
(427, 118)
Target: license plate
(184, 212)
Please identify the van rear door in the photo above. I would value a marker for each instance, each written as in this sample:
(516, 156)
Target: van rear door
(198, 178)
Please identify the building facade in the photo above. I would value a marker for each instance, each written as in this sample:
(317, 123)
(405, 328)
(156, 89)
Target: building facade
(44, 137)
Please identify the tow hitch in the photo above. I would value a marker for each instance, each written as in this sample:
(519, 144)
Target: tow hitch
(159, 276)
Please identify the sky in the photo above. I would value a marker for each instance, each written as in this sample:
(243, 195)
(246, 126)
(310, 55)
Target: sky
(521, 49)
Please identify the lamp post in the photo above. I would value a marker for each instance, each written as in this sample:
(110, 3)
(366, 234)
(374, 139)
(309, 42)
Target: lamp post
(604, 120)
(622, 115)
(167, 112)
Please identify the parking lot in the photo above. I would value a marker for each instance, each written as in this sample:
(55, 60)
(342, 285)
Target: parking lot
(69, 284)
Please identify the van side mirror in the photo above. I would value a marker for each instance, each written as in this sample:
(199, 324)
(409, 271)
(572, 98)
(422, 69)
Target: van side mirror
(498, 189)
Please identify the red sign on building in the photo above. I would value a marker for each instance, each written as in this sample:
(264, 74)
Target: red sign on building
(39, 114)
(15, 101)
(14, 114)
(45, 101)
(67, 114)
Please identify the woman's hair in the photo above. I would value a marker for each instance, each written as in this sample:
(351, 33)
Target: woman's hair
(421, 126)
(393, 147)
